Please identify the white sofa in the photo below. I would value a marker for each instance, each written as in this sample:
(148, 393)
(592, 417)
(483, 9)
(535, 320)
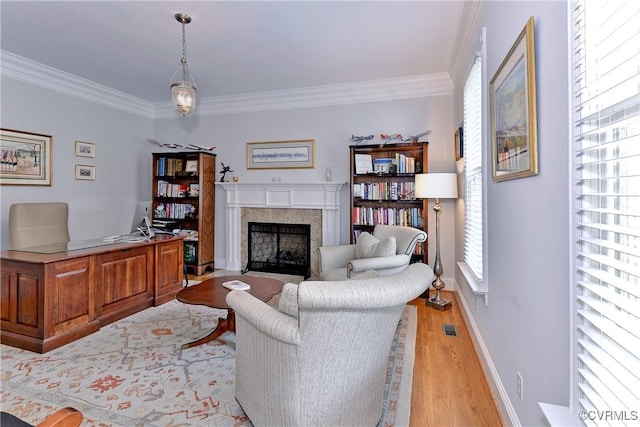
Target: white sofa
(320, 359)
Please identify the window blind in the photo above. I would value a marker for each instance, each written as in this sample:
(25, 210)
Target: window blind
(472, 134)
(606, 187)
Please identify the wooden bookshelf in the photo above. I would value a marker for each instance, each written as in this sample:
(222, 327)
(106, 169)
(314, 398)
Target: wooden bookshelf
(382, 188)
(184, 199)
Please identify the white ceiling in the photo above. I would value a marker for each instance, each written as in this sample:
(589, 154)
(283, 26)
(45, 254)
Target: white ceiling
(233, 47)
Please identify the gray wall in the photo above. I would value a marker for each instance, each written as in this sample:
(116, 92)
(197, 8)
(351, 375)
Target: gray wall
(331, 127)
(96, 208)
(123, 161)
(525, 326)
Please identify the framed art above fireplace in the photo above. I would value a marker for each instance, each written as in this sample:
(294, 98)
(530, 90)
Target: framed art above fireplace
(294, 154)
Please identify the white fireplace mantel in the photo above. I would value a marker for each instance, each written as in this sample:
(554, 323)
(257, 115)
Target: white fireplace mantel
(323, 195)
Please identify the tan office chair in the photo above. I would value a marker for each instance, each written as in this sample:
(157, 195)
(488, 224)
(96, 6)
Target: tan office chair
(37, 224)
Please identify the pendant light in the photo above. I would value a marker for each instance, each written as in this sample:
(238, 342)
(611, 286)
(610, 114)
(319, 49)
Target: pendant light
(183, 91)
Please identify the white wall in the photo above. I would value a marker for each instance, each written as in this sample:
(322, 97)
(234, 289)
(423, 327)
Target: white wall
(96, 208)
(331, 127)
(525, 326)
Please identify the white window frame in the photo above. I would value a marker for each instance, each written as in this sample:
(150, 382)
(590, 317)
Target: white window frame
(613, 404)
(597, 308)
(480, 286)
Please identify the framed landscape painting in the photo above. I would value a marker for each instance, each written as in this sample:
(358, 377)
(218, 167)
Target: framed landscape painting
(25, 158)
(514, 127)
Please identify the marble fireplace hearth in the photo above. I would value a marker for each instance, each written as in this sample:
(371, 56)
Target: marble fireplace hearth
(313, 203)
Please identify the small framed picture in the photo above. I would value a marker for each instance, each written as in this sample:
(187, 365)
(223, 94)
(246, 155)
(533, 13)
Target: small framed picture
(85, 149)
(191, 166)
(459, 144)
(85, 172)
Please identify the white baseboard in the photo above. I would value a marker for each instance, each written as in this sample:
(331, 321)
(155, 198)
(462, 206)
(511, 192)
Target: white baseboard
(491, 373)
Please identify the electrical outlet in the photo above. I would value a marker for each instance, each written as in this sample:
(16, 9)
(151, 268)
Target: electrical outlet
(520, 386)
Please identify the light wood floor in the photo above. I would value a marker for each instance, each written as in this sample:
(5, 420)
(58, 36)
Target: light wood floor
(449, 386)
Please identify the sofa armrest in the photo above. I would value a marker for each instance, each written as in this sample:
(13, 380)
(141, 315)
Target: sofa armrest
(264, 317)
(333, 257)
(377, 263)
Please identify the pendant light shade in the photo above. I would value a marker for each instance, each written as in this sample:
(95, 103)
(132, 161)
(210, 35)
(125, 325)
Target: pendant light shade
(182, 84)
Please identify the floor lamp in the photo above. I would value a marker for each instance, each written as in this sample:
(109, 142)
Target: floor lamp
(437, 186)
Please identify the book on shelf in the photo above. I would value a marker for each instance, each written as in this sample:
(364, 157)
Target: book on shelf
(175, 211)
(165, 224)
(190, 252)
(405, 164)
(384, 190)
(411, 217)
(167, 189)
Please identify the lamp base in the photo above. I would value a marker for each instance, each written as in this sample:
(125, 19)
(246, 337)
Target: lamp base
(441, 304)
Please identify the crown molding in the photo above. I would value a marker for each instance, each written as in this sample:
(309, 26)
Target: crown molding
(466, 40)
(25, 70)
(321, 96)
(28, 71)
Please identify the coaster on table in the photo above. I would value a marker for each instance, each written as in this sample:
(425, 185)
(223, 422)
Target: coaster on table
(236, 285)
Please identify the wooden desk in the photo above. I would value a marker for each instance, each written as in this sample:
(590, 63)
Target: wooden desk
(48, 300)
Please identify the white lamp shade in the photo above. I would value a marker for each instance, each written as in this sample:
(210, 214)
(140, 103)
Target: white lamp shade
(436, 186)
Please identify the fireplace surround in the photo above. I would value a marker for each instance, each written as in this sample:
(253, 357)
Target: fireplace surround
(287, 201)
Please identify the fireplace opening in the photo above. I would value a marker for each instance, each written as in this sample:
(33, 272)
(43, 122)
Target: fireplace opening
(279, 248)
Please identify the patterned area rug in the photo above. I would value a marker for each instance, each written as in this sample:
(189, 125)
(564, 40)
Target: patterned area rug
(134, 373)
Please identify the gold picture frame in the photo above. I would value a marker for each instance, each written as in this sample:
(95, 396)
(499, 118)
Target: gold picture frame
(25, 158)
(85, 149)
(459, 143)
(514, 126)
(292, 154)
(85, 172)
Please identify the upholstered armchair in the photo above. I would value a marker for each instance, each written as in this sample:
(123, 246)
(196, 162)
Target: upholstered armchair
(320, 358)
(389, 252)
(37, 224)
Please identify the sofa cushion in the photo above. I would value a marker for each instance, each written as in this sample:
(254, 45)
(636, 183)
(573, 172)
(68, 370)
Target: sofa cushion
(368, 246)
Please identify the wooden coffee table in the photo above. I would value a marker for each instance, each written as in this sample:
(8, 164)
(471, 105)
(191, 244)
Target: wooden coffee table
(212, 294)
